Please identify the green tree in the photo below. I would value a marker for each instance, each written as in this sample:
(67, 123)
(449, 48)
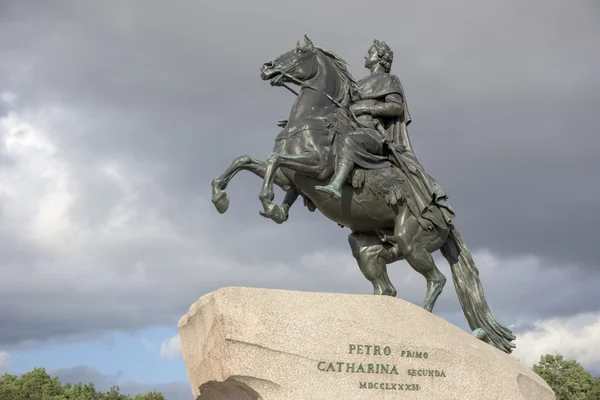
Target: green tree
(113, 394)
(150, 396)
(595, 393)
(38, 385)
(568, 379)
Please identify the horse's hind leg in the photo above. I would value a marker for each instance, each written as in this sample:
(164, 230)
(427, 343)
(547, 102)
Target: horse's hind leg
(220, 198)
(416, 245)
(372, 257)
(422, 262)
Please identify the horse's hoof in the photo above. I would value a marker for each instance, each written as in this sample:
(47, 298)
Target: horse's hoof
(221, 202)
(275, 213)
(480, 334)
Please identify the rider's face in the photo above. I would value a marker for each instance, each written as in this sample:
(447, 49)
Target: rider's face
(372, 58)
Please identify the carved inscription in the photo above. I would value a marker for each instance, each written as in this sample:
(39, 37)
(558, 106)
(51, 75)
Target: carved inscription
(384, 366)
(388, 386)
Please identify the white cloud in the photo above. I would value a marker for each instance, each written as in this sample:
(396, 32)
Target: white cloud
(170, 348)
(576, 337)
(37, 191)
(5, 362)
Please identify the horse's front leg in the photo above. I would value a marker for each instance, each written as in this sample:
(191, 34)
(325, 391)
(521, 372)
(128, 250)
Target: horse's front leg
(308, 163)
(220, 198)
(280, 217)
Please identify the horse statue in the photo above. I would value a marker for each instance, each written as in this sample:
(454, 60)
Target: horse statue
(374, 203)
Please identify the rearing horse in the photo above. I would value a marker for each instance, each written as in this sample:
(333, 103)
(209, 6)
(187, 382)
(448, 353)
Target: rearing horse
(383, 230)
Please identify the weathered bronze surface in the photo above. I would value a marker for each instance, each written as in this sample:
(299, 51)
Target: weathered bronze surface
(345, 150)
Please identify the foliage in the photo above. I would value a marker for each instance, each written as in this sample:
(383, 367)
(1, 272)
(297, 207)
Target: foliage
(38, 385)
(568, 379)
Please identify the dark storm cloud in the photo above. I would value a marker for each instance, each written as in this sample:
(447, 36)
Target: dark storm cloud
(503, 118)
(503, 99)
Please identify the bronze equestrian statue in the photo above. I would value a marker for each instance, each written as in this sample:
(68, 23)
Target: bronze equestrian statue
(345, 150)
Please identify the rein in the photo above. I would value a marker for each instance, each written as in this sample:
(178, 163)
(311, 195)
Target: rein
(305, 85)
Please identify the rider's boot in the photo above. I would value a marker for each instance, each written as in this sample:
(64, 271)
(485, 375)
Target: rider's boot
(342, 171)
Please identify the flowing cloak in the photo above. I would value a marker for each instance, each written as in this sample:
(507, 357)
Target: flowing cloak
(429, 200)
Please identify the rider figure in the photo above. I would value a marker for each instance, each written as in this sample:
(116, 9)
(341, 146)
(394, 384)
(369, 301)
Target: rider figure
(380, 106)
(379, 100)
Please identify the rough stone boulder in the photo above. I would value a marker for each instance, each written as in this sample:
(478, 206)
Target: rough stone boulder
(240, 343)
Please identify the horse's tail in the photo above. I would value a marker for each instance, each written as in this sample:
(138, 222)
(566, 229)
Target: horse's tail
(470, 293)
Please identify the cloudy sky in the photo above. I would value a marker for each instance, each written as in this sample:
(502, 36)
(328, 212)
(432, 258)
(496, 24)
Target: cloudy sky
(115, 116)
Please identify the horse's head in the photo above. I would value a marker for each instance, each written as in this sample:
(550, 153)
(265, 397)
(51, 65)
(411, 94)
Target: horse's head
(299, 63)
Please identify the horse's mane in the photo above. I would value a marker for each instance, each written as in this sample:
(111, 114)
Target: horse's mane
(340, 121)
(341, 66)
